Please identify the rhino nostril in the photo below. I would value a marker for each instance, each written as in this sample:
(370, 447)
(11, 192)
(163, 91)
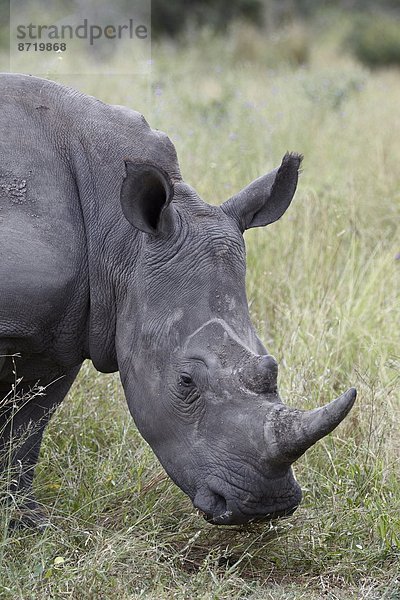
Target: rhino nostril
(220, 505)
(211, 503)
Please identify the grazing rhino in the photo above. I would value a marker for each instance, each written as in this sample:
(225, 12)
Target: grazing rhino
(107, 255)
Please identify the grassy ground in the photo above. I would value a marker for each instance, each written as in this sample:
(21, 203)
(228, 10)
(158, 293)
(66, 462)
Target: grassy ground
(323, 286)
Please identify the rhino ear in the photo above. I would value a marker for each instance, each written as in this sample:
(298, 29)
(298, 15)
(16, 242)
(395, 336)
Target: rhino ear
(146, 194)
(266, 199)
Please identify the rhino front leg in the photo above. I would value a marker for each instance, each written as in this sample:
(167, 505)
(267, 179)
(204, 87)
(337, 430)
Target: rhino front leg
(23, 418)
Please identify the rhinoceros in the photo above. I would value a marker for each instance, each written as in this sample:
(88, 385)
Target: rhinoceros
(108, 255)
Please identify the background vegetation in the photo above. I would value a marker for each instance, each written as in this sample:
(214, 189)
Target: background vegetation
(323, 287)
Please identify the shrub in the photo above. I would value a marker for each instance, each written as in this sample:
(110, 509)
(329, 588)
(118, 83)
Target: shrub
(289, 45)
(375, 41)
(172, 17)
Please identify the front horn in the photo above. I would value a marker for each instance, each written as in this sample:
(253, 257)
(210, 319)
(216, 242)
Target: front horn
(289, 432)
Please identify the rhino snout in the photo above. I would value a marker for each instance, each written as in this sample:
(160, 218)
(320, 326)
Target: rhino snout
(223, 505)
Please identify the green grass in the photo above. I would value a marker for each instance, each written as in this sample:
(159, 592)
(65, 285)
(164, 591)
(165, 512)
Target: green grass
(323, 287)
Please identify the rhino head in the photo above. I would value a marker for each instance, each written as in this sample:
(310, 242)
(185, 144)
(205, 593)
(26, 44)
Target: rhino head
(200, 385)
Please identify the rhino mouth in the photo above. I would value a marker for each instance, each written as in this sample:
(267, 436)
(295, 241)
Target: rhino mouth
(219, 508)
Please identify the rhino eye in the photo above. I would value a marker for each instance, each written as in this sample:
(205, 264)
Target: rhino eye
(185, 380)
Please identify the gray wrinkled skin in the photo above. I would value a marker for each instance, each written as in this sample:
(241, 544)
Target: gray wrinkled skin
(106, 254)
